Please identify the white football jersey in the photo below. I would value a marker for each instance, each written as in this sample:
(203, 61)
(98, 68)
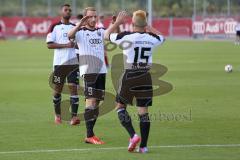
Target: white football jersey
(137, 47)
(91, 50)
(58, 33)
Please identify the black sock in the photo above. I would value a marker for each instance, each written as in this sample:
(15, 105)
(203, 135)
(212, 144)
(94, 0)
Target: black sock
(74, 101)
(126, 121)
(57, 103)
(144, 129)
(90, 117)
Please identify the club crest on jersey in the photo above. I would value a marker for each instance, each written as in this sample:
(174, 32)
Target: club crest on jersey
(99, 34)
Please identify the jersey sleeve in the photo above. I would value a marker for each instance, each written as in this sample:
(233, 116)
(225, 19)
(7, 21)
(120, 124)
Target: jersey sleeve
(51, 36)
(113, 37)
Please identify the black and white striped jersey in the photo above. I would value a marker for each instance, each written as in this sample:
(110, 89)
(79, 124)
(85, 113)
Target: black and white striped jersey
(91, 50)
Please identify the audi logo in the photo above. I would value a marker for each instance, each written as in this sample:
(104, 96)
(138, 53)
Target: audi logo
(95, 41)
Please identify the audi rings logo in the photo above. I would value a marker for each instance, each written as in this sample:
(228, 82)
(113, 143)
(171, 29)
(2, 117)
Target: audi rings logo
(95, 41)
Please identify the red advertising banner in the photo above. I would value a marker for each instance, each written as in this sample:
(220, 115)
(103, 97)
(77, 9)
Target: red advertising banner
(38, 26)
(13, 26)
(214, 26)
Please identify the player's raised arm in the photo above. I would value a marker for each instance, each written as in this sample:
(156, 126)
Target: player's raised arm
(120, 19)
(73, 31)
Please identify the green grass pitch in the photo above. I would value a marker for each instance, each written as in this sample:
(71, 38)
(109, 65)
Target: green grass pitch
(206, 98)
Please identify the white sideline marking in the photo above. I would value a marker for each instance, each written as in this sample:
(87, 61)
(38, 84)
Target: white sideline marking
(117, 148)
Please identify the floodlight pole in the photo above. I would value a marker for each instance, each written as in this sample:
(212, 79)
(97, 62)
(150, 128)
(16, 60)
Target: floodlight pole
(23, 8)
(98, 6)
(194, 9)
(49, 8)
(229, 9)
(122, 4)
(149, 12)
(74, 7)
(204, 8)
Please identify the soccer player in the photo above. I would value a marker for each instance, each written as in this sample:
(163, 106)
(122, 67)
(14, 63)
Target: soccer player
(136, 79)
(65, 61)
(237, 42)
(90, 41)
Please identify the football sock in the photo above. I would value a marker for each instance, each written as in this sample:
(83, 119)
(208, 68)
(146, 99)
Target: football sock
(74, 101)
(126, 121)
(90, 117)
(144, 129)
(57, 103)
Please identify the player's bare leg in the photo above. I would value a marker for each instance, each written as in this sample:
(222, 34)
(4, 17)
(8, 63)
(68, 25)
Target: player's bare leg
(126, 122)
(74, 102)
(144, 128)
(90, 115)
(57, 102)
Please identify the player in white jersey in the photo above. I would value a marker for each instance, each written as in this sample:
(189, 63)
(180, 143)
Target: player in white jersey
(90, 41)
(136, 80)
(65, 64)
(237, 42)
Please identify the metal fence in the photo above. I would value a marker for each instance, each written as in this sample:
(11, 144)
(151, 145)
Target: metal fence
(174, 18)
(160, 8)
(50, 7)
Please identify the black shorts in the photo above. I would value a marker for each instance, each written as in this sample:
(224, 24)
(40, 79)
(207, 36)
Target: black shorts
(63, 72)
(238, 33)
(94, 85)
(138, 84)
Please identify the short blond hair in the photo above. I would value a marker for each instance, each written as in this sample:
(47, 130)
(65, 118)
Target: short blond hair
(88, 9)
(139, 18)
